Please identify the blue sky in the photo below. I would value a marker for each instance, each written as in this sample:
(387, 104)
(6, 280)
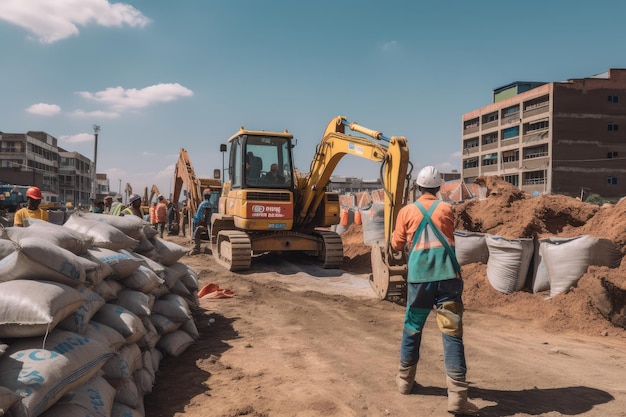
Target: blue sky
(159, 75)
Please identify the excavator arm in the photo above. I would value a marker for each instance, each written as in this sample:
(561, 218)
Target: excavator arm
(388, 265)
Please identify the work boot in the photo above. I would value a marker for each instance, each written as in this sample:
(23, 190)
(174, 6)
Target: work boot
(457, 398)
(406, 378)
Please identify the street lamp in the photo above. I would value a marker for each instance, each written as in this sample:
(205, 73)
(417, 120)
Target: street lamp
(223, 151)
(96, 129)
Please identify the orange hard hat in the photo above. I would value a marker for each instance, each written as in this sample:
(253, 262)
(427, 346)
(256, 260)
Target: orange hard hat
(34, 193)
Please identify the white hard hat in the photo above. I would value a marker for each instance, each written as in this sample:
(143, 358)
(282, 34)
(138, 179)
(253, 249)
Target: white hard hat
(429, 177)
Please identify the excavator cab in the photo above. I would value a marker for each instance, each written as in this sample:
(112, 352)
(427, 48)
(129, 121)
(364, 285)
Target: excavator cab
(259, 160)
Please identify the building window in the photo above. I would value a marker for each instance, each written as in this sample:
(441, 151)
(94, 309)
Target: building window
(512, 179)
(536, 151)
(535, 177)
(511, 132)
(611, 180)
(510, 156)
(490, 159)
(510, 111)
(470, 143)
(470, 163)
(613, 99)
(491, 117)
(611, 155)
(470, 124)
(541, 125)
(490, 138)
(613, 127)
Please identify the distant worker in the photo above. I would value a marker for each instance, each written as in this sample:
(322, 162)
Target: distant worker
(184, 213)
(134, 206)
(32, 210)
(152, 214)
(98, 207)
(116, 206)
(108, 201)
(161, 214)
(273, 176)
(202, 219)
(434, 279)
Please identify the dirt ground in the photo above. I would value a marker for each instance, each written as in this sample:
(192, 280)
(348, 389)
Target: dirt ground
(298, 340)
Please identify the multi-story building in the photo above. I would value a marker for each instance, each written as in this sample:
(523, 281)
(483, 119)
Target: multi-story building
(75, 178)
(30, 158)
(557, 137)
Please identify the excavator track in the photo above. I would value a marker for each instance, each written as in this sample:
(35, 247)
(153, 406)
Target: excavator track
(331, 254)
(233, 250)
(387, 282)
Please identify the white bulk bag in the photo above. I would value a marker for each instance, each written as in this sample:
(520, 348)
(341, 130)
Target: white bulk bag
(33, 308)
(60, 236)
(78, 320)
(470, 247)
(41, 260)
(539, 281)
(104, 235)
(508, 263)
(94, 398)
(373, 220)
(43, 374)
(122, 320)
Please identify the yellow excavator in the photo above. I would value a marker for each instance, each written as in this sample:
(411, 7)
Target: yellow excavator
(186, 181)
(268, 206)
(146, 201)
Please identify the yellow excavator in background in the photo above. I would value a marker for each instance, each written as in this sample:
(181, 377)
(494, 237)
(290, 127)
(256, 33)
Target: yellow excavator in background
(186, 182)
(262, 210)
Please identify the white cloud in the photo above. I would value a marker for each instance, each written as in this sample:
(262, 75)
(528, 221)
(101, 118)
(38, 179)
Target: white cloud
(53, 20)
(43, 109)
(456, 155)
(389, 46)
(94, 114)
(79, 138)
(118, 98)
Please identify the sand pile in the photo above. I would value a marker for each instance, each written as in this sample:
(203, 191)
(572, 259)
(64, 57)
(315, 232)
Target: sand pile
(597, 306)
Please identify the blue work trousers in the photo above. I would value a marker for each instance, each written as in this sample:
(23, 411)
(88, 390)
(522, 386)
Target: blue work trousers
(446, 297)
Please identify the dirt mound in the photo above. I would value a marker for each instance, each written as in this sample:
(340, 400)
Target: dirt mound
(597, 306)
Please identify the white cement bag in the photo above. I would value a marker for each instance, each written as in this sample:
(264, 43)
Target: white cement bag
(143, 279)
(157, 357)
(470, 247)
(124, 363)
(122, 320)
(373, 220)
(567, 260)
(152, 336)
(105, 290)
(95, 270)
(175, 343)
(172, 275)
(60, 236)
(174, 307)
(122, 410)
(116, 286)
(122, 263)
(7, 399)
(143, 381)
(41, 260)
(144, 245)
(33, 308)
(189, 276)
(163, 324)
(149, 231)
(78, 320)
(7, 247)
(160, 291)
(136, 302)
(190, 328)
(169, 252)
(42, 375)
(106, 335)
(104, 235)
(146, 358)
(132, 226)
(3, 347)
(156, 267)
(127, 393)
(508, 263)
(92, 399)
(180, 289)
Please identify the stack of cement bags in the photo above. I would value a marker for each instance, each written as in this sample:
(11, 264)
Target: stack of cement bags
(548, 264)
(88, 309)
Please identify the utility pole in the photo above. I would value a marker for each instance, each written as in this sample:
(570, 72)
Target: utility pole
(94, 188)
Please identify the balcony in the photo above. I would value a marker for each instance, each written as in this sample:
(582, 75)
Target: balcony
(540, 108)
(510, 165)
(490, 125)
